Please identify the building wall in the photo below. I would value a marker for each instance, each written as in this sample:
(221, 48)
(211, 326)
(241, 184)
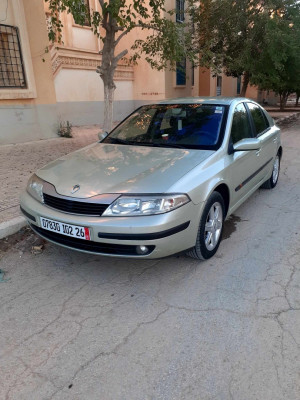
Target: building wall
(63, 84)
(208, 84)
(80, 85)
(229, 86)
(28, 114)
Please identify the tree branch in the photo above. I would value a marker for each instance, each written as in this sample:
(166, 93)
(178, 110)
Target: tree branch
(124, 33)
(119, 56)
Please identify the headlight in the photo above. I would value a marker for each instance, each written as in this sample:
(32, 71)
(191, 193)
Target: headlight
(35, 188)
(145, 205)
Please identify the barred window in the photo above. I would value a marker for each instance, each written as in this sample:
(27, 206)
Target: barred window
(11, 63)
(83, 13)
(87, 21)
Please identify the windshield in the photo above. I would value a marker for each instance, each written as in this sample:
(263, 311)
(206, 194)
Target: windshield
(180, 125)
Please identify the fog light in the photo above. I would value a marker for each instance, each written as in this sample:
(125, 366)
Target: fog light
(142, 250)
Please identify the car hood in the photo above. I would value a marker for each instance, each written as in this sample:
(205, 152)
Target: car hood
(109, 168)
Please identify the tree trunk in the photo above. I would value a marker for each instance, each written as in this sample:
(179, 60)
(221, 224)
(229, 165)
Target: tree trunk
(283, 99)
(245, 84)
(107, 72)
(109, 65)
(297, 99)
(108, 107)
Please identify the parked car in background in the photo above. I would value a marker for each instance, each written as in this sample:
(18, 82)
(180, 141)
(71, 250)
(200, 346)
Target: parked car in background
(162, 182)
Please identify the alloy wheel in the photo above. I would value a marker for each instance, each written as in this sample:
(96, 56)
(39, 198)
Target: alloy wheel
(275, 172)
(213, 226)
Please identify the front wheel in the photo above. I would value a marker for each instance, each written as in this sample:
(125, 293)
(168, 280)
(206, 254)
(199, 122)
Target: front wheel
(272, 181)
(210, 228)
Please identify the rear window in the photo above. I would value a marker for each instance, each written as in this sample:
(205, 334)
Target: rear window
(259, 119)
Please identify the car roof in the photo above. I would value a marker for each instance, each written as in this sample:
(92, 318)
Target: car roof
(204, 99)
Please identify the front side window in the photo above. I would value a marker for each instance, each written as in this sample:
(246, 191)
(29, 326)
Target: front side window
(260, 122)
(240, 128)
(179, 10)
(194, 126)
(12, 73)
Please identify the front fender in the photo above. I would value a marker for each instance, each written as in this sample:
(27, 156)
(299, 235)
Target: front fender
(201, 181)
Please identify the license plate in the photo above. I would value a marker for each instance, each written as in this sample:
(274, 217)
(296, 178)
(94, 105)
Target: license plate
(75, 231)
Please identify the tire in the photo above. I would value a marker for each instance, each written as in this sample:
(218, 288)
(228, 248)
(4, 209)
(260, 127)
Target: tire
(210, 228)
(272, 181)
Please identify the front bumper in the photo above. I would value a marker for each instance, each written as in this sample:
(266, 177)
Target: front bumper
(163, 234)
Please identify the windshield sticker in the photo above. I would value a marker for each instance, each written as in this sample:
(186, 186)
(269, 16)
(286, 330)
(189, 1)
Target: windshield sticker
(218, 112)
(180, 124)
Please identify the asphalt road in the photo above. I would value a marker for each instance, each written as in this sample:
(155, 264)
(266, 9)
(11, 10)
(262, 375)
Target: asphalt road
(78, 327)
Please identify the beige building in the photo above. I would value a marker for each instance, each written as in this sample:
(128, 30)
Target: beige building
(223, 85)
(27, 92)
(79, 89)
(38, 90)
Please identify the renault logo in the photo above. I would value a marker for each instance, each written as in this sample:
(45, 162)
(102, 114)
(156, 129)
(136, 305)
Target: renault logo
(75, 189)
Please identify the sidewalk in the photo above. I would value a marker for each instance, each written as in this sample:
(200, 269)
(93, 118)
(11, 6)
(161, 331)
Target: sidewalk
(19, 161)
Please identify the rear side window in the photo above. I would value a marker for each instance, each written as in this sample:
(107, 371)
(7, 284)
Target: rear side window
(241, 128)
(259, 119)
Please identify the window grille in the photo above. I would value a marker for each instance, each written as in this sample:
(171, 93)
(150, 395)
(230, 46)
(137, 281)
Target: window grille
(12, 73)
(180, 10)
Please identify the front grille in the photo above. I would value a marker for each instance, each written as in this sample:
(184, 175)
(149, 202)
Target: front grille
(73, 206)
(87, 245)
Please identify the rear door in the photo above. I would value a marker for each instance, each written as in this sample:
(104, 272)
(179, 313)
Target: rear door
(268, 137)
(242, 164)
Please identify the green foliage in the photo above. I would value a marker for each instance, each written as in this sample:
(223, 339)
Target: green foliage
(168, 42)
(255, 38)
(278, 67)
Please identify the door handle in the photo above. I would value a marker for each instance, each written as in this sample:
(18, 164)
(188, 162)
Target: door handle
(258, 152)
(275, 140)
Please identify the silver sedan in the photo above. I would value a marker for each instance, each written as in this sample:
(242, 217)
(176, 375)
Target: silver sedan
(162, 182)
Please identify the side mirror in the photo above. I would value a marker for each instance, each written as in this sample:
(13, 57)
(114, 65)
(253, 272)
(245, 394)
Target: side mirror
(102, 135)
(247, 145)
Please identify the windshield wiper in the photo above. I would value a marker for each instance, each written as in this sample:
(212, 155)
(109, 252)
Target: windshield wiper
(135, 143)
(154, 144)
(174, 145)
(118, 141)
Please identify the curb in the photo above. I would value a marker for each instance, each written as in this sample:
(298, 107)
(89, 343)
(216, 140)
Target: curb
(12, 226)
(288, 118)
